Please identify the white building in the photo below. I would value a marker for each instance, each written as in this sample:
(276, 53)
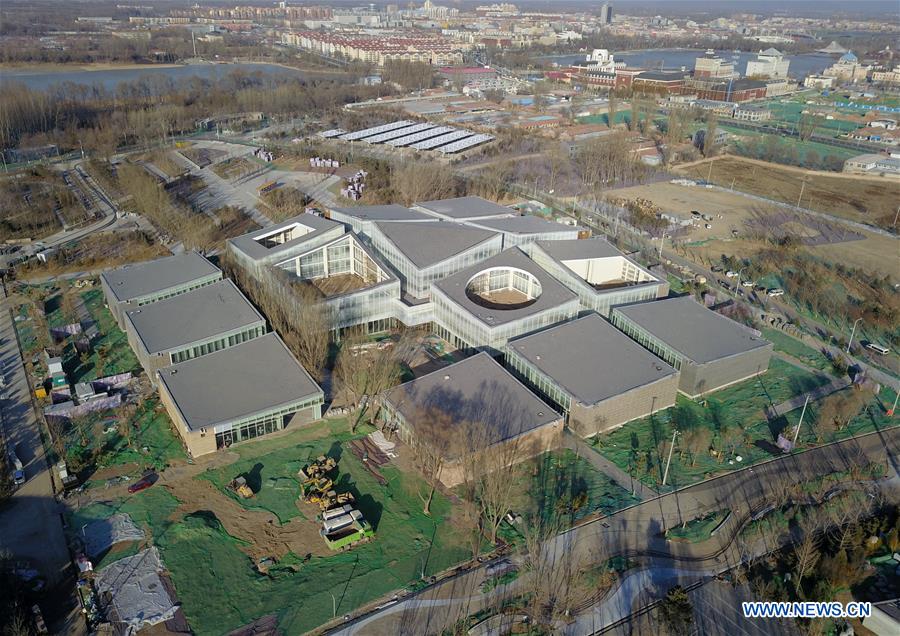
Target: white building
(769, 63)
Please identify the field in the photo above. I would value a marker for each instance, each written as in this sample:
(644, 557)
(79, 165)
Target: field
(737, 210)
(97, 251)
(796, 349)
(640, 447)
(209, 538)
(35, 205)
(234, 168)
(865, 199)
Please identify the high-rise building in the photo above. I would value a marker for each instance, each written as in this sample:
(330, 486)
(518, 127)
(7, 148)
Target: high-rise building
(606, 13)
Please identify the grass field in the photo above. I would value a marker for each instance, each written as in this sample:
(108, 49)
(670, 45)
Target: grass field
(796, 349)
(639, 447)
(215, 580)
(867, 200)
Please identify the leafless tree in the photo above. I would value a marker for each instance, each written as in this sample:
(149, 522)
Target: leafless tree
(431, 445)
(422, 181)
(612, 108)
(807, 125)
(709, 137)
(806, 552)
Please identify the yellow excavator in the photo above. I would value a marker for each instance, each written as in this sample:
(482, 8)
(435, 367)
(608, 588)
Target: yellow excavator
(315, 489)
(320, 467)
(239, 486)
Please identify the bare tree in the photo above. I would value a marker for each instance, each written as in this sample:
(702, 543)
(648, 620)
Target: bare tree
(431, 445)
(807, 125)
(422, 181)
(612, 109)
(709, 137)
(806, 552)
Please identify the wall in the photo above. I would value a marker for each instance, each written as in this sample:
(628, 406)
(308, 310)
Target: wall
(197, 443)
(697, 379)
(588, 420)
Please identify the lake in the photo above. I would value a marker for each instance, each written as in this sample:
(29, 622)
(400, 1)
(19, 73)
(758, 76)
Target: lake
(109, 79)
(673, 59)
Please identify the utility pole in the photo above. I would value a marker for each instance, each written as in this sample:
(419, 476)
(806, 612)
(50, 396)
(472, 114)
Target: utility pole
(661, 240)
(896, 216)
(893, 408)
(852, 332)
(800, 423)
(669, 460)
(802, 186)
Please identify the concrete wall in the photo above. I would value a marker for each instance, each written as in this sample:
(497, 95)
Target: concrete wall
(197, 443)
(698, 379)
(588, 420)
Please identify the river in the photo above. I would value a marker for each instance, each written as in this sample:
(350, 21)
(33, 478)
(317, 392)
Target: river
(110, 78)
(673, 59)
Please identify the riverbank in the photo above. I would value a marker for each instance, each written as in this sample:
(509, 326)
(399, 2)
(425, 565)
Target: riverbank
(31, 67)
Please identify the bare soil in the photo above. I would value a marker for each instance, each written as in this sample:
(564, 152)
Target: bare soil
(338, 284)
(859, 198)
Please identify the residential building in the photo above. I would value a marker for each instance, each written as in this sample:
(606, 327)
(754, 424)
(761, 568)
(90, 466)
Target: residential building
(752, 113)
(132, 286)
(592, 373)
(189, 325)
(711, 66)
(820, 82)
(873, 164)
(659, 82)
(239, 393)
(709, 350)
(742, 90)
(508, 422)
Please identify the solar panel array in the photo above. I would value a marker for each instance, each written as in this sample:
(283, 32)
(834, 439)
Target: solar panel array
(377, 130)
(462, 144)
(400, 132)
(407, 140)
(428, 144)
(404, 133)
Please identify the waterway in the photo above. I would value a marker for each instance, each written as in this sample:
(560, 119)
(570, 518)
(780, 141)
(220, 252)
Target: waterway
(801, 65)
(111, 78)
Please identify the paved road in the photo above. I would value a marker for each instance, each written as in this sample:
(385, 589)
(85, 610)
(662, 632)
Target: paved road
(30, 526)
(638, 532)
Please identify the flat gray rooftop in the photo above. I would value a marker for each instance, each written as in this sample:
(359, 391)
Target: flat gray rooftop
(553, 293)
(193, 316)
(691, 329)
(234, 383)
(249, 243)
(590, 359)
(391, 212)
(577, 249)
(429, 244)
(523, 225)
(464, 208)
(142, 279)
(476, 389)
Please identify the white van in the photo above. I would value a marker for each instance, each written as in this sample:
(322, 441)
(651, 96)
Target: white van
(877, 348)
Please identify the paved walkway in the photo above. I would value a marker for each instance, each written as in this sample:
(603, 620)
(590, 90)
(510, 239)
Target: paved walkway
(797, 401)
(598, 461)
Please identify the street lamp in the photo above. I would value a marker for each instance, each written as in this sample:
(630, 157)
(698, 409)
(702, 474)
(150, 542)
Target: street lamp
(852, 332)
(669, 460)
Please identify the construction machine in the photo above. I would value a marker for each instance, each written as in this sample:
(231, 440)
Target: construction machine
(319, 467)
(239, 486)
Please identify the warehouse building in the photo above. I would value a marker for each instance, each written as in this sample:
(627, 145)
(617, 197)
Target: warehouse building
(189, 325)
(361, 218)
(709, 350)
(508, 420)
(508, 295)
(281, 242)
(593, 374)
(135, 285)
(463, 209)
(601, 275)
(239, 393)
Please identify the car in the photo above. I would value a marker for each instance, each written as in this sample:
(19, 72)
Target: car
(716, 268)
(19, 477)
(143, 483)
(731, 274)
(775, 291)
(747, 283)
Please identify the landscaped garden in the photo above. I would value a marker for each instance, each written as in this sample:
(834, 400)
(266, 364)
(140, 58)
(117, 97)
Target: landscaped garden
(728, 429)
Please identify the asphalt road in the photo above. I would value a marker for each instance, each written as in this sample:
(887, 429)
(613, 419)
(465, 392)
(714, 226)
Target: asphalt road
(30, 525)
(637, 532)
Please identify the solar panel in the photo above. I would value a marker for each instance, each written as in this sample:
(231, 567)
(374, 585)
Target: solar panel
(377, 130)
(394, 134)
(462, 144)
(406, 140)
(443, 139)
(334, 132)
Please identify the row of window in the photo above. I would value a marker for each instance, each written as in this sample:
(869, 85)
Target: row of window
(643, 338)
(216, 345)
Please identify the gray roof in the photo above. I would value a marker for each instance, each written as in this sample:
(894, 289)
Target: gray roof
(691, 329)
(391, 212)
(142, 279)
(553, 293)
(197, 315)
(576, 249)
(475, 390)
(436, 242)
(247, 243)
(465, 208)
(590, 359)
(234, 383)
(524, 225)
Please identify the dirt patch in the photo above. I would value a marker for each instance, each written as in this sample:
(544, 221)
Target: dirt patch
(264, 536)
(868, 200)
(338, 284)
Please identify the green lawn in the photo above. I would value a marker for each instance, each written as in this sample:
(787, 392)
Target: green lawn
(794, 348)
(221, 591)
(636, 446)
(699, 529)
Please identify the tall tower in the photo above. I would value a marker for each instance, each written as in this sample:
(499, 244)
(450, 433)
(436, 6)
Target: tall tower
(606, 13)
